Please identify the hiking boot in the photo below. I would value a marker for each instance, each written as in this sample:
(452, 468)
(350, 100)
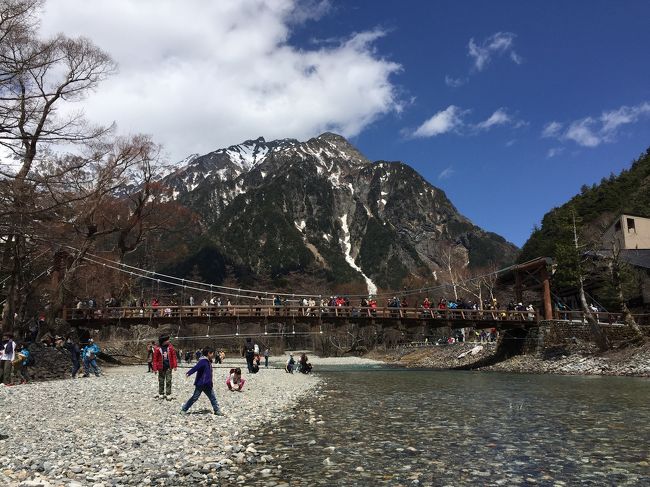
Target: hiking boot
(183, 412)
(218, 413)
(170, 397)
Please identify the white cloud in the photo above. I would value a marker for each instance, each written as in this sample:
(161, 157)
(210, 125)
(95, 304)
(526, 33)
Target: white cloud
(451, 119)
(552, 129)
(447, 120)
(593, 131)
(612, 120)
(202, 75)
(446, 173)
(499, 117)
(554, 151)
(582, 132)
(454, 82)
(497, 44)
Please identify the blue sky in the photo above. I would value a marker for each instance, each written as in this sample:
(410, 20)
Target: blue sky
(509, 106)
(574, 60)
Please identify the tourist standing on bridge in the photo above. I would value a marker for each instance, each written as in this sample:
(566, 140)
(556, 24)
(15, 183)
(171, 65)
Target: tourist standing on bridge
(203, 382)
(266, 358)
(164, 362)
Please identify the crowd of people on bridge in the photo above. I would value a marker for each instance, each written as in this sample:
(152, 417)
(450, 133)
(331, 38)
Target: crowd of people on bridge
(339, 305)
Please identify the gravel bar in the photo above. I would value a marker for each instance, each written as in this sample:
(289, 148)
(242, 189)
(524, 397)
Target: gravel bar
(112, 431)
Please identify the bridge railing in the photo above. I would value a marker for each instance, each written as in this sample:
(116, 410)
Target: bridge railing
(270, 311)
(602, 317)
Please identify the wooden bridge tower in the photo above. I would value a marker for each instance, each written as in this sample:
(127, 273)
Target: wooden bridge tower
(534, 275)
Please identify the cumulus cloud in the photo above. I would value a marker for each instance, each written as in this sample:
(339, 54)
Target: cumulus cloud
(448, 120)
(593, 131)
(202, 75)
(497, 44)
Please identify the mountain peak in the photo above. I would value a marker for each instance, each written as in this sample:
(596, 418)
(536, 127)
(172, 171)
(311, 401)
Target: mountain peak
(332, 137)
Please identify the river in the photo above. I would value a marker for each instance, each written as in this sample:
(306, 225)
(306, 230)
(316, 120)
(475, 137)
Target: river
(406, 427)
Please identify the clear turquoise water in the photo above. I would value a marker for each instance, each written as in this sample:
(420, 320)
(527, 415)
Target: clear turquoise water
(398, 427)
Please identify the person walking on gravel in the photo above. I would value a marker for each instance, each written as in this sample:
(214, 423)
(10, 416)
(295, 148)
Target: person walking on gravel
(73, 350)
(164, 362)
(90, 353)
(203, 382)
(7, 355)
(150, 348)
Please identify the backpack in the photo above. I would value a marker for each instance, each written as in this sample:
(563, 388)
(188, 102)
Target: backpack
(30, 360)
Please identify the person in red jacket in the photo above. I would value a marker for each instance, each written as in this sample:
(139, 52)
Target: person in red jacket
(164, 361)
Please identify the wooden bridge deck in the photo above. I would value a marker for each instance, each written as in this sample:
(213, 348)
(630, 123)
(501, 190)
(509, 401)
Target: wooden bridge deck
(455, 318)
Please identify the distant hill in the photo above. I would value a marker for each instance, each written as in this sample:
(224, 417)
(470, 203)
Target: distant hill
(595, 208)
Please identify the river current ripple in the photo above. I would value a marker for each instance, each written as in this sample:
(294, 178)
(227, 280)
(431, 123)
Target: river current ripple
(426, 428)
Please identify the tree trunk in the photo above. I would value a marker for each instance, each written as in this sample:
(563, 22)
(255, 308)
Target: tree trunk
(628, 319)
(600, 337)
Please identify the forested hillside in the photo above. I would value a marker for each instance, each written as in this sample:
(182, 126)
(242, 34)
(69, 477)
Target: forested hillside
(594, 208)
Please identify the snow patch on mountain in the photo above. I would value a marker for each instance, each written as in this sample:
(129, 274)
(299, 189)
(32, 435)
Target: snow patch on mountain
(347, 249)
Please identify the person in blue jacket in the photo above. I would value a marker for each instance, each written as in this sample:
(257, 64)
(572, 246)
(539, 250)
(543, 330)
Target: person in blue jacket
(25, 362)
(203, 382)
(90, 352)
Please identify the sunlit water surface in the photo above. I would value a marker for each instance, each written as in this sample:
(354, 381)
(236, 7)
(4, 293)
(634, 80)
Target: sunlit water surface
(405, 427)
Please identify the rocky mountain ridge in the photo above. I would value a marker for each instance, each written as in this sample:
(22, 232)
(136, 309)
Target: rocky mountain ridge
(320, 207)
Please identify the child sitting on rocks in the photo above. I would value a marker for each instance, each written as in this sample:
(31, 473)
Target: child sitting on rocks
(235, 380)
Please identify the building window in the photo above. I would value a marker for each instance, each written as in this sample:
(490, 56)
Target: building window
(617, 226)
(630, 225)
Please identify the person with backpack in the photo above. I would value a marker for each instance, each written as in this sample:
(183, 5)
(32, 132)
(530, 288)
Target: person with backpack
(164, 362)
(23, 360)
(203, 382)
(90, 353)
(73, 350)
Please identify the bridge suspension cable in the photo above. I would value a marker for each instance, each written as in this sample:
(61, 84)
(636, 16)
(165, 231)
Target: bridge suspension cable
(253, 293)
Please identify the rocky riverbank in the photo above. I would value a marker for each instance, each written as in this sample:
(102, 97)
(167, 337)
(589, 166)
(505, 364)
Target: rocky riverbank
(111, 431)
(580, 360)
(448, 356)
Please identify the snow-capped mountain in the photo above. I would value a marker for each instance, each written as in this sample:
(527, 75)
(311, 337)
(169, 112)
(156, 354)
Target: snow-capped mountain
(320, 207)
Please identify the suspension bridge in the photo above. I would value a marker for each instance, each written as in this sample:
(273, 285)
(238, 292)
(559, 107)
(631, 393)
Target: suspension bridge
(336, 315)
